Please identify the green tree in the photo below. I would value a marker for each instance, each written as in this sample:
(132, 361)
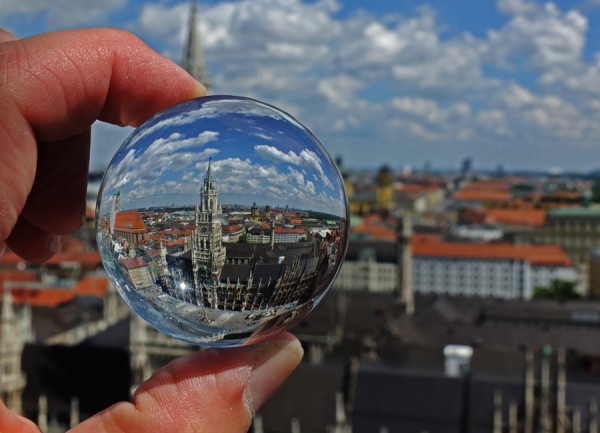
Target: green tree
(243, 239)
(596, 191)
(560, 290)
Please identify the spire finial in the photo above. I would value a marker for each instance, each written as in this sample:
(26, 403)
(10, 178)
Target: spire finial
(193, 61)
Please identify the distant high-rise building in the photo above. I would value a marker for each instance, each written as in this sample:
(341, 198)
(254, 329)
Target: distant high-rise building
(385, 189)
(193, 60)
(466, 166)
(500, 170)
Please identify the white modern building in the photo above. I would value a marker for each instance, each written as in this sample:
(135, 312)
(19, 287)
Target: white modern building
(288, 235)
(370, 266)
(498, 270)
(456, 268)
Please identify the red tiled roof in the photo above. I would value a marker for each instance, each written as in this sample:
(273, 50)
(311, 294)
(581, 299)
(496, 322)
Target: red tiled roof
(487, 196)
(487, 185)
(377, 232)
(130, 221)
(133, 262)
(232, 228)
(288, 230)
(433, 246)
(522, 217)
(90, 285)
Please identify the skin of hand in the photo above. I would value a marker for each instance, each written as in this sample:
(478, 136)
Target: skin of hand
(52, 88)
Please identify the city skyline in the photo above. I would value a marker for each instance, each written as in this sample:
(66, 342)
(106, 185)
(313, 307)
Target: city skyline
(511, 82)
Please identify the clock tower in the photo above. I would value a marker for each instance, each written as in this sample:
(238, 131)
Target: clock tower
(208, 252)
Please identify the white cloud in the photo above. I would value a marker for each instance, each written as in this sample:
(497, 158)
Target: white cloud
(380, 88)
(543, 35)
(306, 158)
(59, 14)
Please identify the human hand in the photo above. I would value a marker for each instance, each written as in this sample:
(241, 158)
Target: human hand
(217, 390)
(52, 88)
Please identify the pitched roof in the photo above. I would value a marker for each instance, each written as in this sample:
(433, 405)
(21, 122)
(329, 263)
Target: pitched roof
(521, 217)
(129, 220)
(432, 246)
(133, 262)
(90, 285)
(466, 195)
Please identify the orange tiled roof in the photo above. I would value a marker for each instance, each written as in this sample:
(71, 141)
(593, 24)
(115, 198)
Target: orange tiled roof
(522, 217)
(377, 232)
(288, 230)
(487, 185)
(488, 196)
(232, 228)
(414, 188)
(433, 246)
(90, 285)
(129, 221)
(133, 262)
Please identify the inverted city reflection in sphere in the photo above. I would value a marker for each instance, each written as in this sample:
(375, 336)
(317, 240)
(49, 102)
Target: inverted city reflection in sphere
(222, 221)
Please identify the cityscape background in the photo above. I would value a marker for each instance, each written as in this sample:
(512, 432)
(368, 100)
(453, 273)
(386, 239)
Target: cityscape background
(466, 136)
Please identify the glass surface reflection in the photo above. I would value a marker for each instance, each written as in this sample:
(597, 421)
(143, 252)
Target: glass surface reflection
(222, 221)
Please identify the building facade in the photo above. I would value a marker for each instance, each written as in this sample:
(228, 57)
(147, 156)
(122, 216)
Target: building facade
(208, 252)
(576, 230)
(489, 270)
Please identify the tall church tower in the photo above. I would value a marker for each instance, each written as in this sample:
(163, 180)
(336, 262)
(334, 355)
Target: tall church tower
(193, 60)
(405, 294)
(385, 189)
(208, 252)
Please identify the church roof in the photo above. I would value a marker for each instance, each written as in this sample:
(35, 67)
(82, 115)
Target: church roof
(130, 221)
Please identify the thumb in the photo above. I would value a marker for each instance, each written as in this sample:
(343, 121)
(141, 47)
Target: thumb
(208, 391)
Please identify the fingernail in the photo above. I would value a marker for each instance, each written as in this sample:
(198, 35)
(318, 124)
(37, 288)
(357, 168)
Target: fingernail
(200, 89)
(54, 243)
(275, 361)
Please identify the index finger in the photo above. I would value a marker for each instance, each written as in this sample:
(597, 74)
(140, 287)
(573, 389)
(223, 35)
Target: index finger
(54, 86)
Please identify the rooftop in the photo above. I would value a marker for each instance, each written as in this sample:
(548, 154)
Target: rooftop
(129, 220)
(433, 246)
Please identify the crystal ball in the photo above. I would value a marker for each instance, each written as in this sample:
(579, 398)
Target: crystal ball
(222, 221)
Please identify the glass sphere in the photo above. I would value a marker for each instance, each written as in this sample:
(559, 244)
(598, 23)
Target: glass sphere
(222, 221)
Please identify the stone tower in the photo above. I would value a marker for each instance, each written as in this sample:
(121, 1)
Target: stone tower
(385, 189)
(13, 335)
(193, 60)
(405, 295)
(208, 252)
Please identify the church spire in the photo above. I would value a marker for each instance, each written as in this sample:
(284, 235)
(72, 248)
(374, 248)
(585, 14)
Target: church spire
(193, 61)
(209, 171)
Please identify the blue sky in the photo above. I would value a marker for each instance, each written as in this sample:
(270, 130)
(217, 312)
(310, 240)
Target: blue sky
(258, 154)
(400, 82)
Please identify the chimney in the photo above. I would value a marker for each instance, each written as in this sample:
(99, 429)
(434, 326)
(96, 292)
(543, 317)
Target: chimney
(42, 420)
(513, 421)
(593, 416)
(257, 424)
(457, 360)
(545, 416)
(576, 422)
(529, 390)
(561, 391)
(497, 411)
(74, 419)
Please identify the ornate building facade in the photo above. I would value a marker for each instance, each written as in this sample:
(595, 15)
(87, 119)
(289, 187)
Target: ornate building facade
(208, 252)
